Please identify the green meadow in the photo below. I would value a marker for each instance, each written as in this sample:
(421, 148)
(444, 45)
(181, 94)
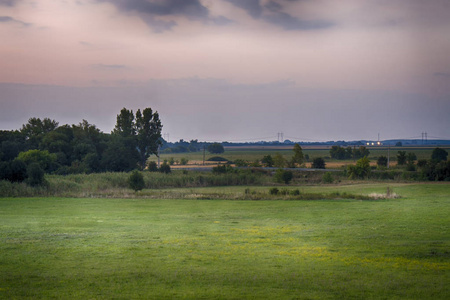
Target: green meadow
(140, 248)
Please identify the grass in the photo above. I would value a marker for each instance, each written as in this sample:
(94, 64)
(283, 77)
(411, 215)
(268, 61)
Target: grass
(251, 154)
(72, 248)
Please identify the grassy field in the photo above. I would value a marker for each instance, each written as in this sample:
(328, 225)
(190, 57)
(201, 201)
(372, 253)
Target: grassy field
(90, 248)
(258, 152)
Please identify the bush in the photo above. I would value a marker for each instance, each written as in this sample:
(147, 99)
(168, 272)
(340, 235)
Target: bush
(136, 181)
(165, 168)
(222, 169)
(284, 176)
(274, 191)
(361, 170)
(241, 163)
(382, 161)
(152, 166)
(439, 154)
(327, 178)
(184, 161)
(35, 175)
(295, 192)
(318, 163)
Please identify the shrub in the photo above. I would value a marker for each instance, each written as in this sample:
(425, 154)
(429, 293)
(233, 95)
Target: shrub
(136, 181)
(222, 169)
(439, 154)
(401, 158)
(422, 163)
(360, 170)
(274, 191)
(184, 161)
(327, 178)
(35, 175)
(295, 192)
(284, 176)
(165, 168)
(152, 166)
(382, 161)
(240, 163)
(318, 163)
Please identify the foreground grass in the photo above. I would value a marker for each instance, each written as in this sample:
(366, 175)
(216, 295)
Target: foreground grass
(204, 249)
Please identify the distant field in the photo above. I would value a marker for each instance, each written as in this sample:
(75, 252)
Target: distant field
(90, 248)
(252, 153)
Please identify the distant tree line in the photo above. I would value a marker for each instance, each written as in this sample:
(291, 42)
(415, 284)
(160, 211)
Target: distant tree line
(341, 153)
(80, 148)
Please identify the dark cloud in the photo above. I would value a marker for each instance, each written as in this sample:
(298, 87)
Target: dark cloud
(6, 19)
(288, 22)
(273, 6)
(8, 2)
(252, 7)
(272, 13)
(155, 12)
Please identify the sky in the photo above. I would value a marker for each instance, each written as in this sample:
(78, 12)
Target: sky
(231, 70)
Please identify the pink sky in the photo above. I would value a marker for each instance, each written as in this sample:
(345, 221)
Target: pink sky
(376, 47)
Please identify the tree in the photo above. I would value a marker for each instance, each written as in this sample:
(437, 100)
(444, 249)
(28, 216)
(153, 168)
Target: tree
(338, 152)
(14, 171)
(439, 154)
(318, 163)
(119, 156)
(35, 130)
(298, 157)
(360, 152)
(267, 161)
(35, 174)
(216, 148)
(125, 123)
(279, 161)
(148, 130)
(136, 181)
(142, 133)
(401, 158)
(283, 176)
(45, 159)
(411, 158)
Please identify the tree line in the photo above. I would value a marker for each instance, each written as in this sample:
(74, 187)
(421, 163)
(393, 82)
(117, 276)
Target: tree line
(80, 148)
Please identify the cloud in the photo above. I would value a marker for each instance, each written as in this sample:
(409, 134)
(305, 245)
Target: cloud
(7, 19)
(159, 15)
(8, 2)
(252, 7)
(288, 22)
(272, 12)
